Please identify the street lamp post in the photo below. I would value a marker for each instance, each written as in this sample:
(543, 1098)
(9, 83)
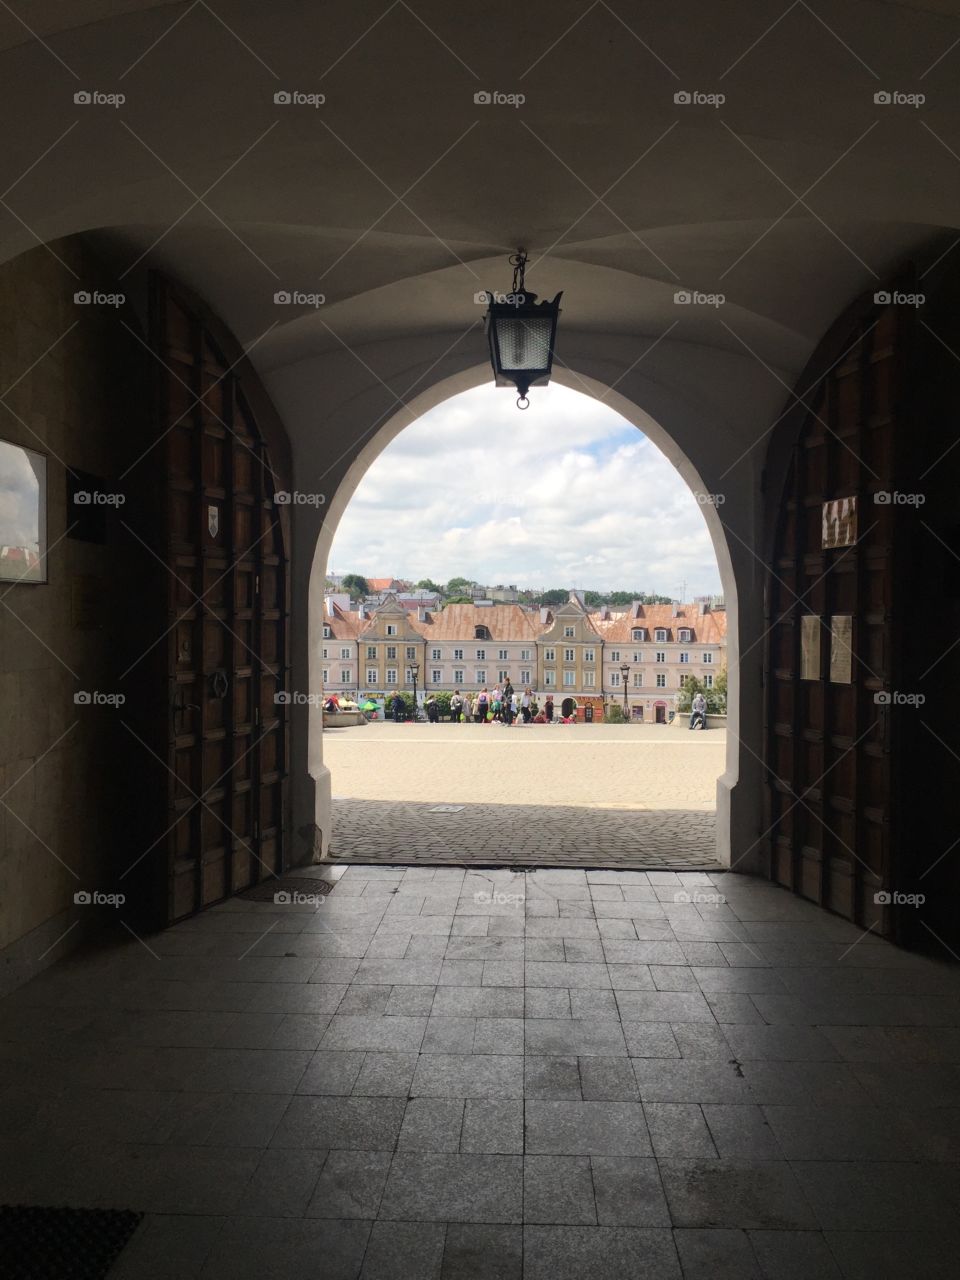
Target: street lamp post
(624, 673)
(415, 671)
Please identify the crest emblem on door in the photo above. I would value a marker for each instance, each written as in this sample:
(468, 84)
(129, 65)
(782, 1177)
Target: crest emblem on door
(213, 520)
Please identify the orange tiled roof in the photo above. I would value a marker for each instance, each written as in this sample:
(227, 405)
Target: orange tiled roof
(343, 624)
(707, 628)
(457, 622)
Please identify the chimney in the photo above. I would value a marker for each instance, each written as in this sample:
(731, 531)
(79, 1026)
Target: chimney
(362, 611)
(421, 613)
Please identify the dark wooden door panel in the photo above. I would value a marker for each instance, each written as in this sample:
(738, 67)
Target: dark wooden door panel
(227, 747)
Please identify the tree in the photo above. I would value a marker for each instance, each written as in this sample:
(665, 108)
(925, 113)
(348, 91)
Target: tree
(458, 586)
(556, 596)
(458, 600)
(427, 584)
(593, 598)
(356, 585)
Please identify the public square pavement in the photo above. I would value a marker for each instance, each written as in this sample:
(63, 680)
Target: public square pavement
(639, 796)
(442, 1074)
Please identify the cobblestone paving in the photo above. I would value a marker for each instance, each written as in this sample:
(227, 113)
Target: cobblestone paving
(586, 795)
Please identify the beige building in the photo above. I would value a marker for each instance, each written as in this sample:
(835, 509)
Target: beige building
(569, 650)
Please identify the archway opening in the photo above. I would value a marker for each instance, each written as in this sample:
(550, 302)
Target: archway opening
(564, 567)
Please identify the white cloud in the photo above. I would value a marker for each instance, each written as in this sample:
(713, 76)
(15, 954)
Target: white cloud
(566, 494)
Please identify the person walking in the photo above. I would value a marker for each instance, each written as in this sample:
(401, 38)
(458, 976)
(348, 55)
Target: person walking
(698, 714)
(548, 708)
(433, 711)
(507, 697)
(399, 708)
(456, 705)
(483, 701)
(525, 701)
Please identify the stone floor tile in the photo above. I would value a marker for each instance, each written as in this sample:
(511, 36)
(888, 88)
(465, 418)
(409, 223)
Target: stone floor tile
(374, 1033)
(678, 1130)
(478, 1002)
(575, 1037)
(476, 1252)
(168, 1247)
(454, 1188)
(551, 1077)
(386, 1075)
(806, 1255)
(650, 1040)
(716, 1254)
(586, 1128)
(558, 1189)
(881, 1196)
(546, 1002)
(492, 1127)
(608, 1080)
(663, 1006)
(591, 1003)
(461, 973)
(253, 1248)
(498, 1035)
(432, 1124)
(282, 1184)
(361, 1124)
(628, 1192)
(741, 1132)
(449, 1035)
(404, 1251)
(599, 1253)
(473, 1075)
(410, 1002)
(732, 1193)
(350, 1185)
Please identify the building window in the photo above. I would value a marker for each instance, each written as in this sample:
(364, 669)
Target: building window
(524, 655)
(661, 680)
(411, 652)
(638, 656)
(568, 655)
(435, 677)
(549, 679)
(615, 679)
(371, 676)
(503, 655)
(524, 677)
(481, 633)
(371, 652)
(391, 629)
(458, 655)
(391, 653)
(481, 655)
(345, 676)
(326, 633)
(458, 677)
(708, 658)
(325, 653)
(708, 680)
(435, 655)
(638, 679)
(344, 655)
(391, 675)
(326, 676)
(637, 634)
(684, 657)
(568, 679)
(683, 680)
(481, 677)
(589, 680)
(661, 656)
(685, 636)
(549, 655)
(502, 676)
(660, 635)
(589, 655)
(569, 632)
(615, 655)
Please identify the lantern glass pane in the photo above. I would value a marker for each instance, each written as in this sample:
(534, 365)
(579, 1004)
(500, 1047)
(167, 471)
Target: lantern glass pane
(524, 342)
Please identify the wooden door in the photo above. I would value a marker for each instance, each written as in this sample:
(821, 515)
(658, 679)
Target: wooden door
(227, 615)
(831, 640)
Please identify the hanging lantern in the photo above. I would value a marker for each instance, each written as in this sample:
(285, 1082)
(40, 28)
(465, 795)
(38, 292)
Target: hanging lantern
(522, 333)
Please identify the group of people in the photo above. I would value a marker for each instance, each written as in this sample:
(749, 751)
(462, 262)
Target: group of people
(496, 706)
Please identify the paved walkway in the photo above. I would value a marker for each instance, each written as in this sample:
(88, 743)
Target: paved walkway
(585, 795)
(446, 1075)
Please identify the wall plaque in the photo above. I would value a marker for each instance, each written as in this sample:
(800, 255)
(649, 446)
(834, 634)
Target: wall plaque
(841, 649)
(810, 647)
(839, 523)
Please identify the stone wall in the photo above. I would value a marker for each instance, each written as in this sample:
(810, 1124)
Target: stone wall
(73, 386)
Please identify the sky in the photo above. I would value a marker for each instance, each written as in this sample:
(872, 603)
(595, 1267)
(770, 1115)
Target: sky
(566, 494)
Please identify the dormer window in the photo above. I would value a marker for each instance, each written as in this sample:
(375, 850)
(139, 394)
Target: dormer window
(685, 635)
(391, 629)
(481, 633)
(661, 635)
(326, 633)
(638, 633)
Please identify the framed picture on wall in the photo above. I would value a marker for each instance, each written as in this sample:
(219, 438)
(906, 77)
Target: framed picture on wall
(23, 514)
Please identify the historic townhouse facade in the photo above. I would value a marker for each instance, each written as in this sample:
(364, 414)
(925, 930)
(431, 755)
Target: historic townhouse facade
(569, 651)
(663, 645)
(475, 646)
(566, 651)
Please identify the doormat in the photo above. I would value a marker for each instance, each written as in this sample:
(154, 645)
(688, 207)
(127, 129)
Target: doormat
(267, 890)
(82, 1244)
